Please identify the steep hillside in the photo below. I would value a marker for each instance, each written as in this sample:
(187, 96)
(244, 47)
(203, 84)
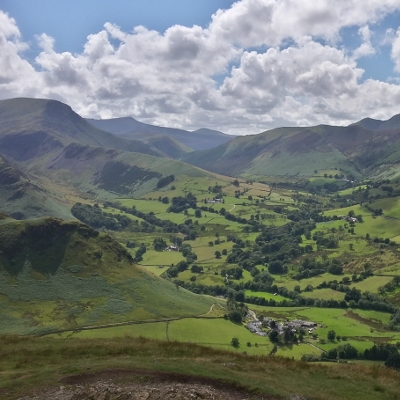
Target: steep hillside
(22, 196)
(30, 128)
(357, 150)
(164, 144)
(128, 127)
(113, 172)
(283, 151)
(58, 275)
(46, 139)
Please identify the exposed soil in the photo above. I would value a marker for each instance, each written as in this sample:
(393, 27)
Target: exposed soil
(120, 384)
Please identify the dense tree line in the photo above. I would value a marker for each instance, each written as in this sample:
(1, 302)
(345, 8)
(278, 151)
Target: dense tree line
(164, 181)
(166, 225)
(96, 218)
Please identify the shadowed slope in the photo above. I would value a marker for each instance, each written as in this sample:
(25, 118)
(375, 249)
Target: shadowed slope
(59, 275)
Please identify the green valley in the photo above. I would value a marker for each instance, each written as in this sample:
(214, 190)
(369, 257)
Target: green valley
(289, 262)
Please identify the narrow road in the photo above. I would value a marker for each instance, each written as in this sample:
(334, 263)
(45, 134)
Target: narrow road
(253, 314)
(234, 206)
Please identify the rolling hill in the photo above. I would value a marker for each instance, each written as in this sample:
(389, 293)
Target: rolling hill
(363, 149)
(48, 148)
(60, 275)
(129, 127)
(30, 128)
(113, 172)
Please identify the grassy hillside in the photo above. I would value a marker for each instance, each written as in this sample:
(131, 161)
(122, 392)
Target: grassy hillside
(29, 364)
(111, 173)
(357, 150)
(283, 151)
(33, 127)
(57, 153)
(59, 275)
(23, 196)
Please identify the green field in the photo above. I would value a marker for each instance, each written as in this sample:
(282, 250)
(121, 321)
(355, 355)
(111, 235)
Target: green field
(372, 284)
(314, 282)
(390, 206)
(325, 294)
(187, 330)
(267, 296)
(158, 258)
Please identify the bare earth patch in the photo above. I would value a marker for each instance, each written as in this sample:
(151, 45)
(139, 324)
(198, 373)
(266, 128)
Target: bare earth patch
(143, 385)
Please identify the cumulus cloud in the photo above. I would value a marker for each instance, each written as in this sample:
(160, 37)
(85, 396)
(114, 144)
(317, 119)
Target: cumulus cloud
(257, 22)
(396, 50)
(366, 48)
(15, 73)
(279, 60)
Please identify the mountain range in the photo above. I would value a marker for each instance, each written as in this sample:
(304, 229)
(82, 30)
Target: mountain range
(130, 128)
(366, 148)
(47, 147)
(48, 151)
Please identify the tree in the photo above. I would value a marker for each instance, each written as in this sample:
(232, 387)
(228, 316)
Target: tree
(217, 254)
(235, 342)
(393, 361)
(331, 336)
(273, 336)
(235, 182)
(197, 213)
(159, 244)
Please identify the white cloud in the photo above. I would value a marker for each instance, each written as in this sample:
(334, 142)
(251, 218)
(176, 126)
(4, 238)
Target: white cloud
(366, 48)
(270, 22)
(169, 78)
(396, 50)
(15, 73)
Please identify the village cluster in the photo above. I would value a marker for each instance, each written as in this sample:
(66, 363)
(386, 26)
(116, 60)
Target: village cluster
(258, 327)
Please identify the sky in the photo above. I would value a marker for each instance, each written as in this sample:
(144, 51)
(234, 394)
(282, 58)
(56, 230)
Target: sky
(241, 67)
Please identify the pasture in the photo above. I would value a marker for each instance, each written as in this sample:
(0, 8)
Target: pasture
(214, 332)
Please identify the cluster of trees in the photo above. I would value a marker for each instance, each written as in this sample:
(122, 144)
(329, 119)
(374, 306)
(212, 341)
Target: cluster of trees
(311, 266)
(394, 323)
(381, 352)
(159, 244)
(390, 286)
(95, 217)
(236, 310)
(187, 228)
(166, 180)
(181, 203)
(139, 253)
(173, 271)
(188, 252)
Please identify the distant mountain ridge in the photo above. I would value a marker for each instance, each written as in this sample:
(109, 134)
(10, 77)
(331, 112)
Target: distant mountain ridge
(37, 123)
(378, 125)
(368, 147)
(128, 127)
(45, 145)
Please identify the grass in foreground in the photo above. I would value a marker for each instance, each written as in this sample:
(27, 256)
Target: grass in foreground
(29, 363)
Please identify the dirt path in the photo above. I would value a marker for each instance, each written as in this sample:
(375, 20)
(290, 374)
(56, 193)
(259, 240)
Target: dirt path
(234, 206)
(209, 311)
(138, 384)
